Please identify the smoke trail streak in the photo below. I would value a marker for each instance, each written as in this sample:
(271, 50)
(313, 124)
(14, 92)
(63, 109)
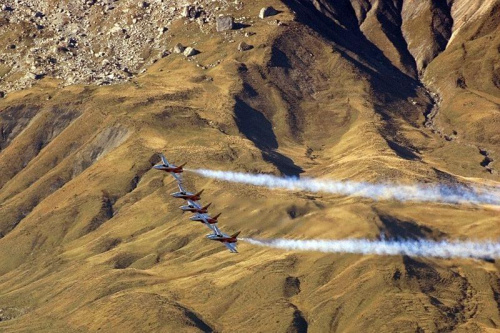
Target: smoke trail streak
(381, 191)
(416, 248)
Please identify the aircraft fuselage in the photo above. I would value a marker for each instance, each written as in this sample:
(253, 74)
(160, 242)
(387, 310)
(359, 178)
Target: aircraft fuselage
(222, 239)
(186, 196)
(206, 219)
(167, 168)
(194, 209)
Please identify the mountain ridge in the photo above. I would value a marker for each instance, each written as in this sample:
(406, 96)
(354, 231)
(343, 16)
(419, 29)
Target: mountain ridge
(91, 239)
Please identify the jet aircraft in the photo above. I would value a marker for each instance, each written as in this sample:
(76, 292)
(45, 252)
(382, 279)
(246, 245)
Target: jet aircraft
(205, 218)
(183, 194)
(195, 207)
(172, 169)
(210, 222)
(228, 241)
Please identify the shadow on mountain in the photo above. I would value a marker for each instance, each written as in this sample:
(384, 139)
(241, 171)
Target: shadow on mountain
(299, 323)
(394, 228)
(390, 83)
(258, 129)
(237, 26)
(196, 320)
(343, 30)
(402, 151)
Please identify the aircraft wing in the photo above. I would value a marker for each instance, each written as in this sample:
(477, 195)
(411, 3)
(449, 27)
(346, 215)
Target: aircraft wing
(163, 159)
(216, 229)
(213, 228)
(204, 217)
(231, 247)
(181, 188)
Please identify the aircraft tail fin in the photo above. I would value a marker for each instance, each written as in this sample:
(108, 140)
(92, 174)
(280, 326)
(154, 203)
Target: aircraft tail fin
(236, 234)
(206, 207)
(216, 216)
(199, 193)
(183, 164)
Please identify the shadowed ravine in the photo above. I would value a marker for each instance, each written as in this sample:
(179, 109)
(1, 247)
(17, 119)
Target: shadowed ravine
(352, 143)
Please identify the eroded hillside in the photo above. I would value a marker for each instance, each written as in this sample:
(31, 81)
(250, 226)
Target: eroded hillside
(390, 91)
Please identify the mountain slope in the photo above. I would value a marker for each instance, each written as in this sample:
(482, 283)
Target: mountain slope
(90, 238)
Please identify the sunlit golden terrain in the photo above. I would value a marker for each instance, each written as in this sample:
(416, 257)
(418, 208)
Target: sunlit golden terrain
(373, 91)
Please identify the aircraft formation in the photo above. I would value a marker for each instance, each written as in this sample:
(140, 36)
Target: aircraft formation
(194, 206)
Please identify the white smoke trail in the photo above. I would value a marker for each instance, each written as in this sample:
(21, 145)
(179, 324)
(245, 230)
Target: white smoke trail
(383, 191)
(415, 248)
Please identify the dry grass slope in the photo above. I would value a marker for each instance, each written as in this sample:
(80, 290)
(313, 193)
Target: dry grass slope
(91, 240)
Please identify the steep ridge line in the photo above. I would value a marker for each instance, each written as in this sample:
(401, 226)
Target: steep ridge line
(404, 19)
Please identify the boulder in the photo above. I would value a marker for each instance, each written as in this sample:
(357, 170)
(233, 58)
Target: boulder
(191, 12)
(267, 11)
(72, 42)
(36, 76)
(244, 47)
(224, 23)
(179, 48)
(189, 51)
(185, 11)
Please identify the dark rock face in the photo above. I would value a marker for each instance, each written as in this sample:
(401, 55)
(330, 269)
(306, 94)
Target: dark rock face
(224, 23)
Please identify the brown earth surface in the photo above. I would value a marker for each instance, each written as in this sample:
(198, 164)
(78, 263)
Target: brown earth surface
(376, 91)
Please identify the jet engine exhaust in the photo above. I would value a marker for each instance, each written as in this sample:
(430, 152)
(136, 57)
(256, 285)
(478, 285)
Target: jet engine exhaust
(381, 191)
(415, 248)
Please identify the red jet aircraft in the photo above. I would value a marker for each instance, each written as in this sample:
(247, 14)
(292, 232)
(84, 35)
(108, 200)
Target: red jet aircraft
(183, 194)
(165, 166)
(194, 207)
(228, 241)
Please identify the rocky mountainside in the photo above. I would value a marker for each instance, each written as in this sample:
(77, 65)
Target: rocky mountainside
(90, 41)
(392, 91)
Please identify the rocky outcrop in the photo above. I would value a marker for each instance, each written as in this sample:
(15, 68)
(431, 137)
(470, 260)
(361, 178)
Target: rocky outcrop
(224, 23)
(244, 47)
(267, 11)
(189, 51)
(178, 48)
(89, 42)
